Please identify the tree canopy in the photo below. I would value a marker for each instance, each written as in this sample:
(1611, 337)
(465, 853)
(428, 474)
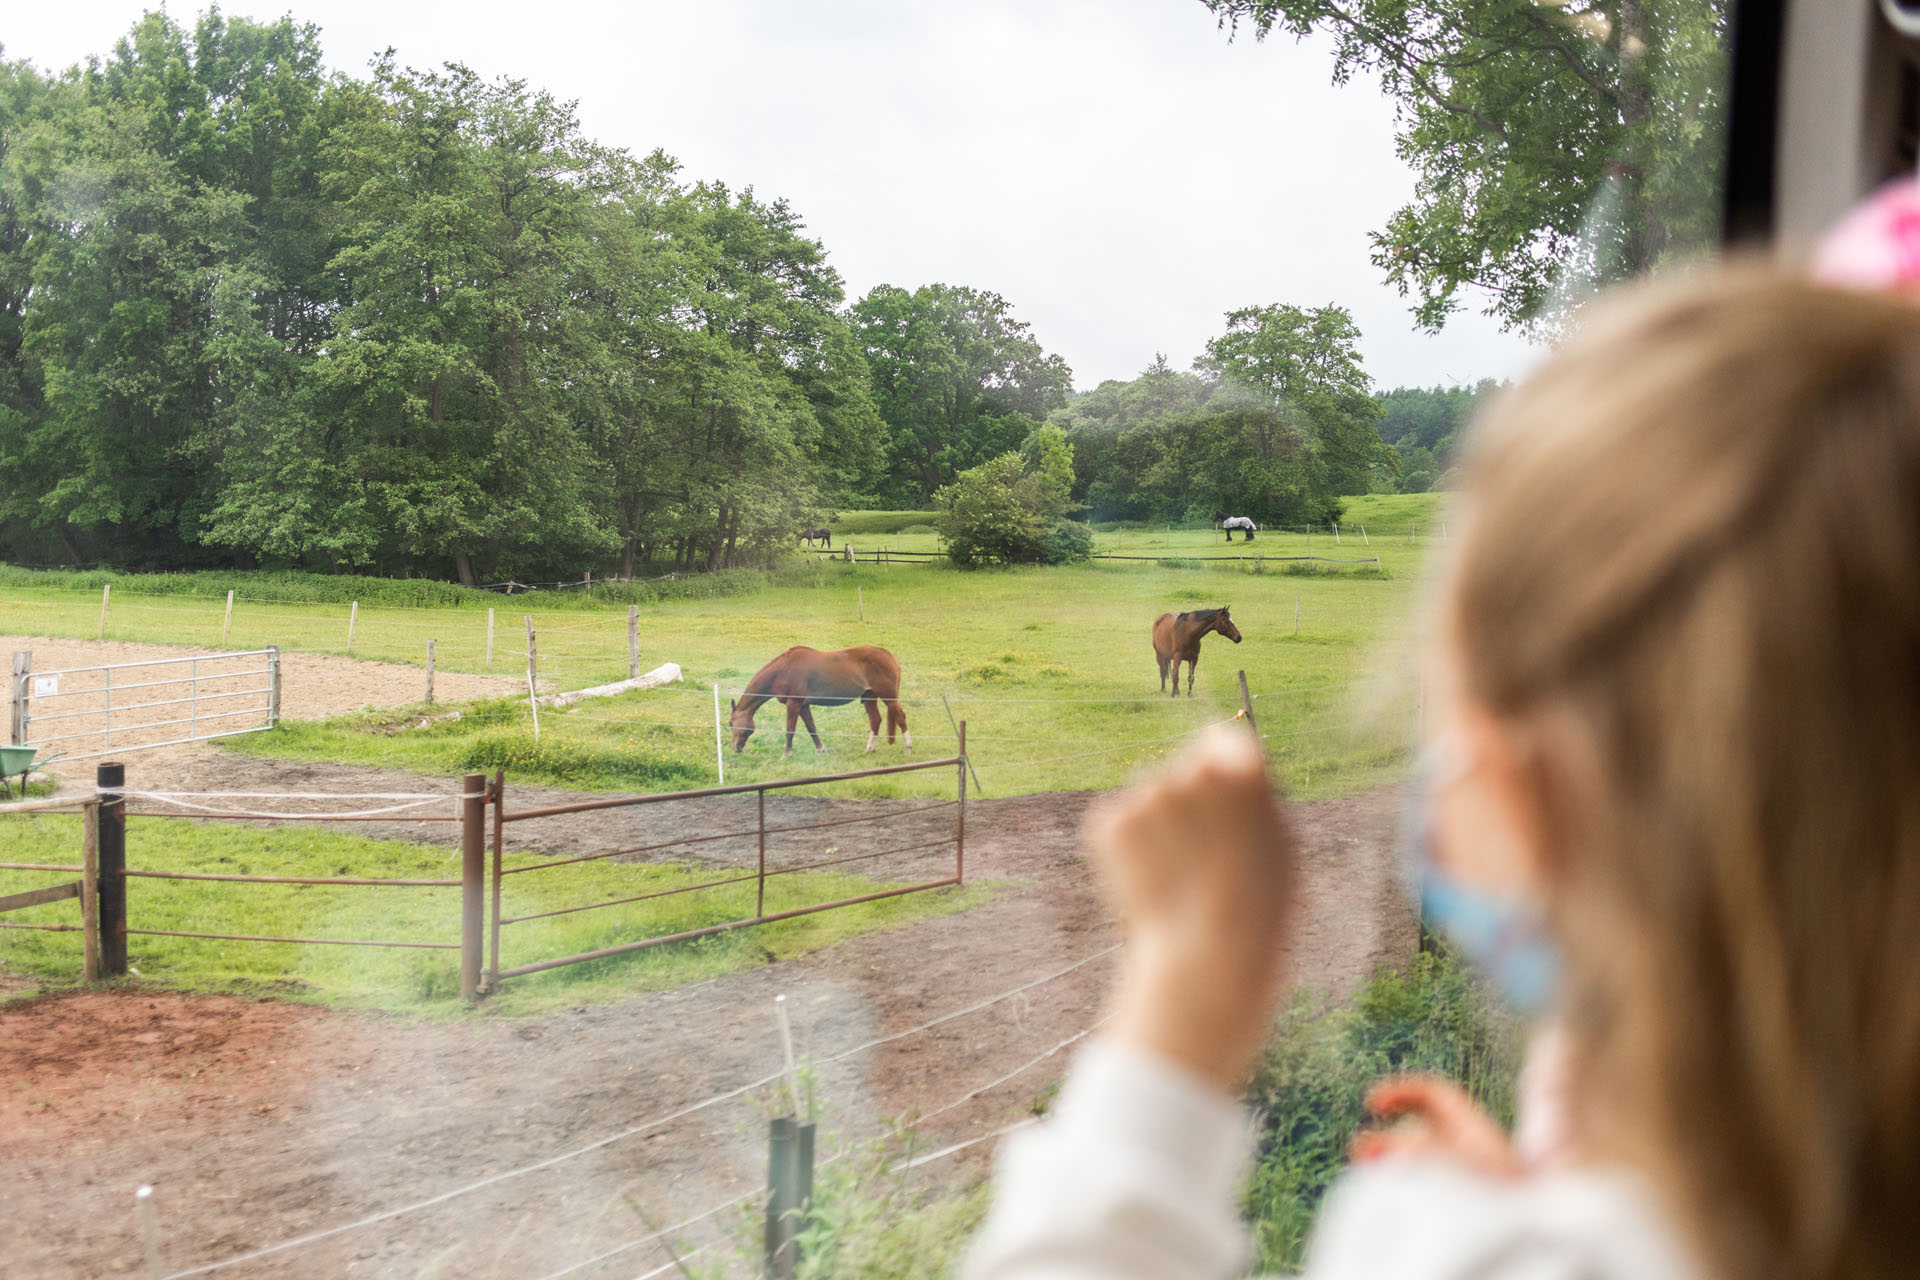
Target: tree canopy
(957, 379)
(416, 321)
(1554, 146)
(1276, 422)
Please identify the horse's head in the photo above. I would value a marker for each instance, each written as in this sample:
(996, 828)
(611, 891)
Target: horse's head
(1223, 623)
(740, 720)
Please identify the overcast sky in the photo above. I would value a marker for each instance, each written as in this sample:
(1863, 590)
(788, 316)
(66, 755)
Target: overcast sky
(1115, 168)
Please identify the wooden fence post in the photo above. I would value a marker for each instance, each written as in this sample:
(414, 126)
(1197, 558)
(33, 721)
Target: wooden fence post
(105, 592)
(719, 740)
(473, 861)
(273, 685)
(489, 637)
(533, 675)
(1296, 615)
(226, 623)
(633, 642)
(109, 778)
(1364, 539)
(90, 889)
(353, 616)
(1246, 705)
(860, 601)
(430, 673)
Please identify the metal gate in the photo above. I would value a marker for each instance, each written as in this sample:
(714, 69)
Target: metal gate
(79, 713)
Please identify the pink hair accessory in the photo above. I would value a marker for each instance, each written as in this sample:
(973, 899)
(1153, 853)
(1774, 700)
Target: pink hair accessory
(1877, 245)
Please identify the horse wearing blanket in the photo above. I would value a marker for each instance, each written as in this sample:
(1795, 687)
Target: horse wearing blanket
(1242, 523)
(801, 679)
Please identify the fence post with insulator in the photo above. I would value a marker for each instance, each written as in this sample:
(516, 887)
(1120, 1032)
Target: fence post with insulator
(473, 861)
(17, 720)
(273, 685)
(110, 780)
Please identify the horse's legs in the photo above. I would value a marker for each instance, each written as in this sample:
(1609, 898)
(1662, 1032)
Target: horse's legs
(1161, 658)
(872, 709)
(1193, 665)
(896, 712)
(806, 718)
(1176, 676)
(793, 714)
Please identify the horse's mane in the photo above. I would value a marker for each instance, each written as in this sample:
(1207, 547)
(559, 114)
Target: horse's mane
(1202, 613)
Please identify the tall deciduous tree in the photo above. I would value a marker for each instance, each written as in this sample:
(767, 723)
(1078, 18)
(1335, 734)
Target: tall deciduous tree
(1305, 363)
(956, 378)
(1554, 146)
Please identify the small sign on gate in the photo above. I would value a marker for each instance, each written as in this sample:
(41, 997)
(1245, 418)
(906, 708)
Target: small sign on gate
(46, 686)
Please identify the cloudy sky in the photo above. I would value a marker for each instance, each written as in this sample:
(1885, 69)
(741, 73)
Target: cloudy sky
(1115, 168)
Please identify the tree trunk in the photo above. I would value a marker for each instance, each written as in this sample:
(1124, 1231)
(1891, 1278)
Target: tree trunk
(626, 559)
(463, 566)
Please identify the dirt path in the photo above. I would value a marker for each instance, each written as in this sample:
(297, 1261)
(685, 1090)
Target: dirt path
(260, 1122)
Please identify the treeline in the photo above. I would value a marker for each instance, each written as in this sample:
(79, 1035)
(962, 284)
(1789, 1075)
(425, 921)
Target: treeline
(1424, 424)
(255, 314)
(251, 312)
(1275, 421)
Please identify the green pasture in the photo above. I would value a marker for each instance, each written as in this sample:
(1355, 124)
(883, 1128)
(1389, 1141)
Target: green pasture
(415, 981)
(1051, 668)
(1388, 525)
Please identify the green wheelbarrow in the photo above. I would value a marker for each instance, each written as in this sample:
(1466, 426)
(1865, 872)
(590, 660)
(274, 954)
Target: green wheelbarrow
(18, 762)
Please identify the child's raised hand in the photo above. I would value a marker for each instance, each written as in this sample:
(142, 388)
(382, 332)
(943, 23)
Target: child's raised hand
(1199, 867)
(1435, 1117)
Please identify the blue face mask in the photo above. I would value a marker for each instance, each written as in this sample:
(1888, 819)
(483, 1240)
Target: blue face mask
(1503, 936)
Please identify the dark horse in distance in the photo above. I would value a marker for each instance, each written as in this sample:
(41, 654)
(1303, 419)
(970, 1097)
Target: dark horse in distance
(802, 679)
(809, 536)
(1176, 639)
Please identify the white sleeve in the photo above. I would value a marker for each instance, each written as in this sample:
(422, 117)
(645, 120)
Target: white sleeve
(1425, 1219)
(1134, 1177)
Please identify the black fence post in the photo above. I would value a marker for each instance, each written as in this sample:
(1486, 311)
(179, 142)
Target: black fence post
(789, 1194)
(109, 778)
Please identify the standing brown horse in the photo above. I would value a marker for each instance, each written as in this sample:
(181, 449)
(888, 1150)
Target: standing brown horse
(1176, 639)
(802, 679)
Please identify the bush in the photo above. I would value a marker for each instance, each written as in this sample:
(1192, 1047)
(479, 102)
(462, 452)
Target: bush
(1009, 510)
(1069, 541)
(1434, 1017)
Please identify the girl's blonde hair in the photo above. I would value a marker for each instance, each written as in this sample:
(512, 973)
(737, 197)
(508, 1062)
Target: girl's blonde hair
(1691, 588)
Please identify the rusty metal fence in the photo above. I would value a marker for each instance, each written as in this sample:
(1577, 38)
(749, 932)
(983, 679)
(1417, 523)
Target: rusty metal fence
(478, 809)
(758, 877)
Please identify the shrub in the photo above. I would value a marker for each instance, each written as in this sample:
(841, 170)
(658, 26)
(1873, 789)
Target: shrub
(1434, 1017)
(1009, 509)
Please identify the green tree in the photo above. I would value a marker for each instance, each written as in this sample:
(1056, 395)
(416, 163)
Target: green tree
(1553, 146)
(1305, 364)
(955, 377)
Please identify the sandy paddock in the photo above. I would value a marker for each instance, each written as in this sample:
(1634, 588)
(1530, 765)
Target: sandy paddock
(311, 686)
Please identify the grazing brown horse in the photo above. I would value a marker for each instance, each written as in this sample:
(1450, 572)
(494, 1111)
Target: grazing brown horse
(802, 679)
(1176, 639)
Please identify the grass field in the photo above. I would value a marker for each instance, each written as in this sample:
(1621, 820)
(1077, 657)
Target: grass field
(415, 981)
(1051, 668)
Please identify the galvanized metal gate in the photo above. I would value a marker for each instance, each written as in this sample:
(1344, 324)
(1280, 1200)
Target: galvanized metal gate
(79, 713)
